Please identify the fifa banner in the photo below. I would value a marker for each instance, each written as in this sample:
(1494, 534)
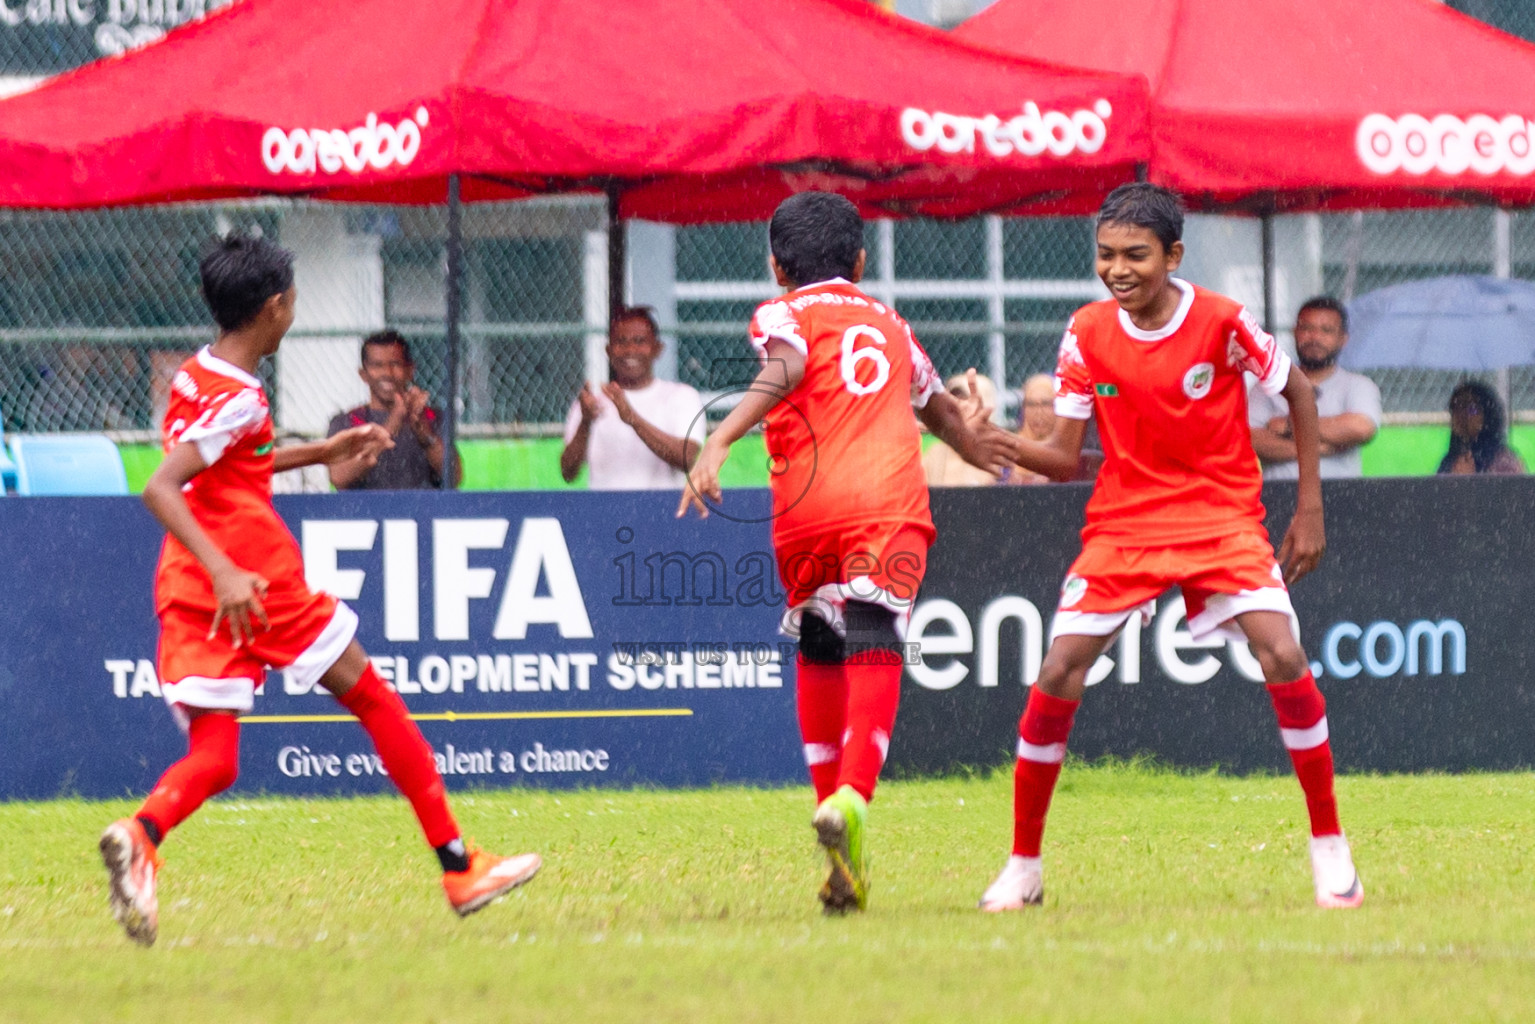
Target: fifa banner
(577, 639)
(545, 639)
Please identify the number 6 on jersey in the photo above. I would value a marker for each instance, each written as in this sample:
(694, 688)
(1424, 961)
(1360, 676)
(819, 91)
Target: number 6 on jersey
(852, 356)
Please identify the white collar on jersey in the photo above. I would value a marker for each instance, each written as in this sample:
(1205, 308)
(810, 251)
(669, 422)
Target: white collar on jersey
(1179, 315)
(823, 284)
(209, 361)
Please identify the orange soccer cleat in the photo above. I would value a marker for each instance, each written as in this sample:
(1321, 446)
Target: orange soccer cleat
(488, 877)
(132, 862)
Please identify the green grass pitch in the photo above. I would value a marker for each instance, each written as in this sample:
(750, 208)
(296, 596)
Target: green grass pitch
(1169, 897)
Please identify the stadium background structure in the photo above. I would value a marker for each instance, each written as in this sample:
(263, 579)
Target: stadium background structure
(99, 304)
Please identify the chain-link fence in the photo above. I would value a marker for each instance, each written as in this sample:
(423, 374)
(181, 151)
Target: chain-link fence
(97, 308)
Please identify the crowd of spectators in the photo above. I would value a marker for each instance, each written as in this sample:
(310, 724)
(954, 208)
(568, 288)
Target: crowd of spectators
(640, 432)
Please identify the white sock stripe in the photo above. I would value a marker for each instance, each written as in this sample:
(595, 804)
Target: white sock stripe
(1048, 753)
(821, 753)
(882, 741)
(1305, 739)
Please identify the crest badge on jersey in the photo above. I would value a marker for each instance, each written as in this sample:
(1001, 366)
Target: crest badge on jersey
(1198, 381)
(1073, 590)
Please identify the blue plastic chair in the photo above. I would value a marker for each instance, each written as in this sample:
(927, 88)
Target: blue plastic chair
(7, 467)
(53, 464)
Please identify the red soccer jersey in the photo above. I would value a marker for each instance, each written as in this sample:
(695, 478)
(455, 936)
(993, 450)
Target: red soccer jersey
(1172, 413)
(844, 445)
(222, 409)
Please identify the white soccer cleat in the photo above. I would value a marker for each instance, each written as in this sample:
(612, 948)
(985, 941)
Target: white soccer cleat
(1021, 884)
(132, 862)
(1332, 866)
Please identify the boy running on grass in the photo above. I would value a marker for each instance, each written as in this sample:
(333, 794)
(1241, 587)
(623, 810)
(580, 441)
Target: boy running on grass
(1176, 502)
(232, 600)
(840, 374)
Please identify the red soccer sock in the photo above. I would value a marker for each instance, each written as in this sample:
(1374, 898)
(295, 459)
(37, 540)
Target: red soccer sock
(406, 755)
(211, 764)
(1042, 735)
(873, 692)
(821, 695)
(1303, 726)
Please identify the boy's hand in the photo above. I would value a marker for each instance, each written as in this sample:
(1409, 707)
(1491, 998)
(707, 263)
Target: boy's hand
(973, 407)
(704, 480)
(238, 593)
(1303, 545)
(987, 447)
(365, 442)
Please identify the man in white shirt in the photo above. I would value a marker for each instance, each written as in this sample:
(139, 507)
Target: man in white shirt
(1347, 403)
(636, 433)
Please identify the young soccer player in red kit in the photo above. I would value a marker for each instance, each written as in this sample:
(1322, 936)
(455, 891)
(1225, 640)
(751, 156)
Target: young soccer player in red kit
(1161, 365)
(232, 600)
(840, 375)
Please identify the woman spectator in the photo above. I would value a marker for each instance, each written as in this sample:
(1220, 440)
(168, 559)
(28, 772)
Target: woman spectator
(1478, 434)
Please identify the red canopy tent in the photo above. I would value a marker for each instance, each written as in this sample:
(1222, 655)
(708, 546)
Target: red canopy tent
(1277, 105)
(1271, 106)
(711, 111)
(677, 111)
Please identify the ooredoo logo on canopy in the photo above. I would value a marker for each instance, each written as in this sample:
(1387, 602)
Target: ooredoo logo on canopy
(373, 144)
(1029, 134)
(1448, 144)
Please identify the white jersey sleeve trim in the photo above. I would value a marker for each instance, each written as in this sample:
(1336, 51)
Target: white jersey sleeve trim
(1278, 375)
(215, 430)
(925, 382)
(775, 321)
(1074, 407)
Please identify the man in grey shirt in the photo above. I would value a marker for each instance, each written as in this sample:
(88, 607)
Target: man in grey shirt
(396, 404)
(1347, 404)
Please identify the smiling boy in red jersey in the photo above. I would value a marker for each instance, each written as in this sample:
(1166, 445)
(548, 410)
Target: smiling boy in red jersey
(1161, 366)
(840, 375)
(232, 600)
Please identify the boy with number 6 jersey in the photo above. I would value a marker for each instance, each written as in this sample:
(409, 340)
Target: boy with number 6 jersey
(840, 375)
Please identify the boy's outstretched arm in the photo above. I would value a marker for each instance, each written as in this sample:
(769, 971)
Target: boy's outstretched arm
(1057, 457)
(966, 427)
(237, 591)
(363, 443)
(1306, 539)
(780, 374)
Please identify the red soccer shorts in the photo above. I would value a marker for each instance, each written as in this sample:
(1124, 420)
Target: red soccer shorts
(306, 637)
(1220, 579)
(881, 563)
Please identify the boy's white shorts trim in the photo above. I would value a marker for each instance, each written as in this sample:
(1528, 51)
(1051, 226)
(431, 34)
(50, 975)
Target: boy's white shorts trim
(239, 694)
(1073, 623)
(1214, 621)
(1220, 611)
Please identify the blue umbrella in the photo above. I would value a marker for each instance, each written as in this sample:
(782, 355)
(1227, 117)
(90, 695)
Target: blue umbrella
(1444, 323)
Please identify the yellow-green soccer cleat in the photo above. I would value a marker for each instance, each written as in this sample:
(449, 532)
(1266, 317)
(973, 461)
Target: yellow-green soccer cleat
(839, 825)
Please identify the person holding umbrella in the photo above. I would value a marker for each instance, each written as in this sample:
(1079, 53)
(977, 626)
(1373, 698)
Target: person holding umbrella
(1478, 435)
